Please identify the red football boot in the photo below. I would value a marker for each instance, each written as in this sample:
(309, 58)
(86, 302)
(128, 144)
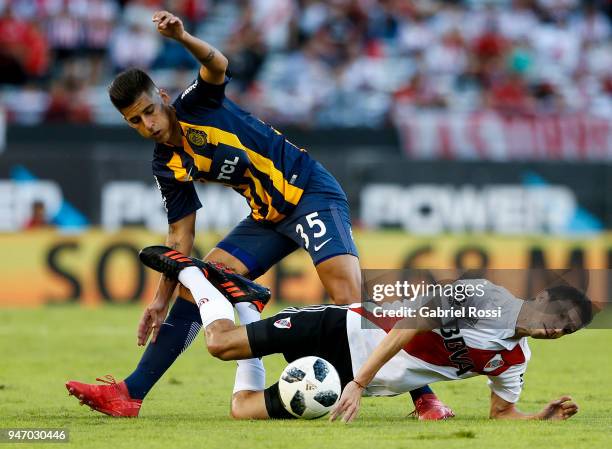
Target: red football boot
(429, 408)
(112, 399)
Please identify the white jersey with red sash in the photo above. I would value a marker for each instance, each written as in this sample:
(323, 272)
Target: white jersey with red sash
(449, 353)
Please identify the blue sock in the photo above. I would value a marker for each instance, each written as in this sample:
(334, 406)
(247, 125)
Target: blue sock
(176, 334)
(420, 392)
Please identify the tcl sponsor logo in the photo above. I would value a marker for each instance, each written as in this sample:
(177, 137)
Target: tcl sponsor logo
(501, 208)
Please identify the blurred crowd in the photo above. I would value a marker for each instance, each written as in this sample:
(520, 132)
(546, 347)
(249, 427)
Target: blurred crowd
(316, 63)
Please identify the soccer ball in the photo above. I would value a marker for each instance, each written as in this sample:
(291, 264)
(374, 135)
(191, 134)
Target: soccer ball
(309, 387)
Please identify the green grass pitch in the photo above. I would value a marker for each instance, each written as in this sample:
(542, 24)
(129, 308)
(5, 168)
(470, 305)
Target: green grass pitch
(43, 348)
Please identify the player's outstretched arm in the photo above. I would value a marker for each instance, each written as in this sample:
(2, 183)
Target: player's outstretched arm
(349, 403)
(558, 409)
(214, 63)
(180, 237)
(394, 341)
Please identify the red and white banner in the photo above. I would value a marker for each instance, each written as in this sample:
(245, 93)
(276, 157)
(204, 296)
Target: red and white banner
(491, 136)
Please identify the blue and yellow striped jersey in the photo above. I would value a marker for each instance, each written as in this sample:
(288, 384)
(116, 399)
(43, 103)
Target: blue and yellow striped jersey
(225, 144)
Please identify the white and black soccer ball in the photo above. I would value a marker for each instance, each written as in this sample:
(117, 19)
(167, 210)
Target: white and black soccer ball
(309, 387)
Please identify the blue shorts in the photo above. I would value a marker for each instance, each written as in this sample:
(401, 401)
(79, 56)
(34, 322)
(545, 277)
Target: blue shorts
(320, 224)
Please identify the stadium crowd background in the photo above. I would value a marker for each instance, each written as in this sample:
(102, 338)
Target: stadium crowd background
(315, 63)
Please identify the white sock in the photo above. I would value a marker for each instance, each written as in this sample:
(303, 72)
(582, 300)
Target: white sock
(212, 304)
(250, 374)
(247, 313)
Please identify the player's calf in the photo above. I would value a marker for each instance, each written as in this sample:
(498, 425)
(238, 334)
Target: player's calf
(248, 405)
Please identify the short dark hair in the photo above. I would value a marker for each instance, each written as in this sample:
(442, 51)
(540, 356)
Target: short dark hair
(128, 86)
(576, 300)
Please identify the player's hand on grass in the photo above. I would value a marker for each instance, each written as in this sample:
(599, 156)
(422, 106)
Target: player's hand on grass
(151, 321)
(169, 25)
(348, 404)
(562, 408)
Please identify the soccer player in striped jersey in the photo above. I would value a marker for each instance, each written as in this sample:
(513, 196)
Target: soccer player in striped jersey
(202, 136)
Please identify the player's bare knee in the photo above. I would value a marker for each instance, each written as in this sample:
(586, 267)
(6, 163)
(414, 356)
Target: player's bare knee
(214, 349)
(217, 346)
(220, 340)
(220, 350)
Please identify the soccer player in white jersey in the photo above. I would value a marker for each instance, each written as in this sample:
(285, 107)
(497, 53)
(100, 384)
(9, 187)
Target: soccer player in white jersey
(383, 358)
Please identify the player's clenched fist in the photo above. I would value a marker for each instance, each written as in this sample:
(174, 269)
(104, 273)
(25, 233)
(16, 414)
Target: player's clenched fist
(169, 25)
